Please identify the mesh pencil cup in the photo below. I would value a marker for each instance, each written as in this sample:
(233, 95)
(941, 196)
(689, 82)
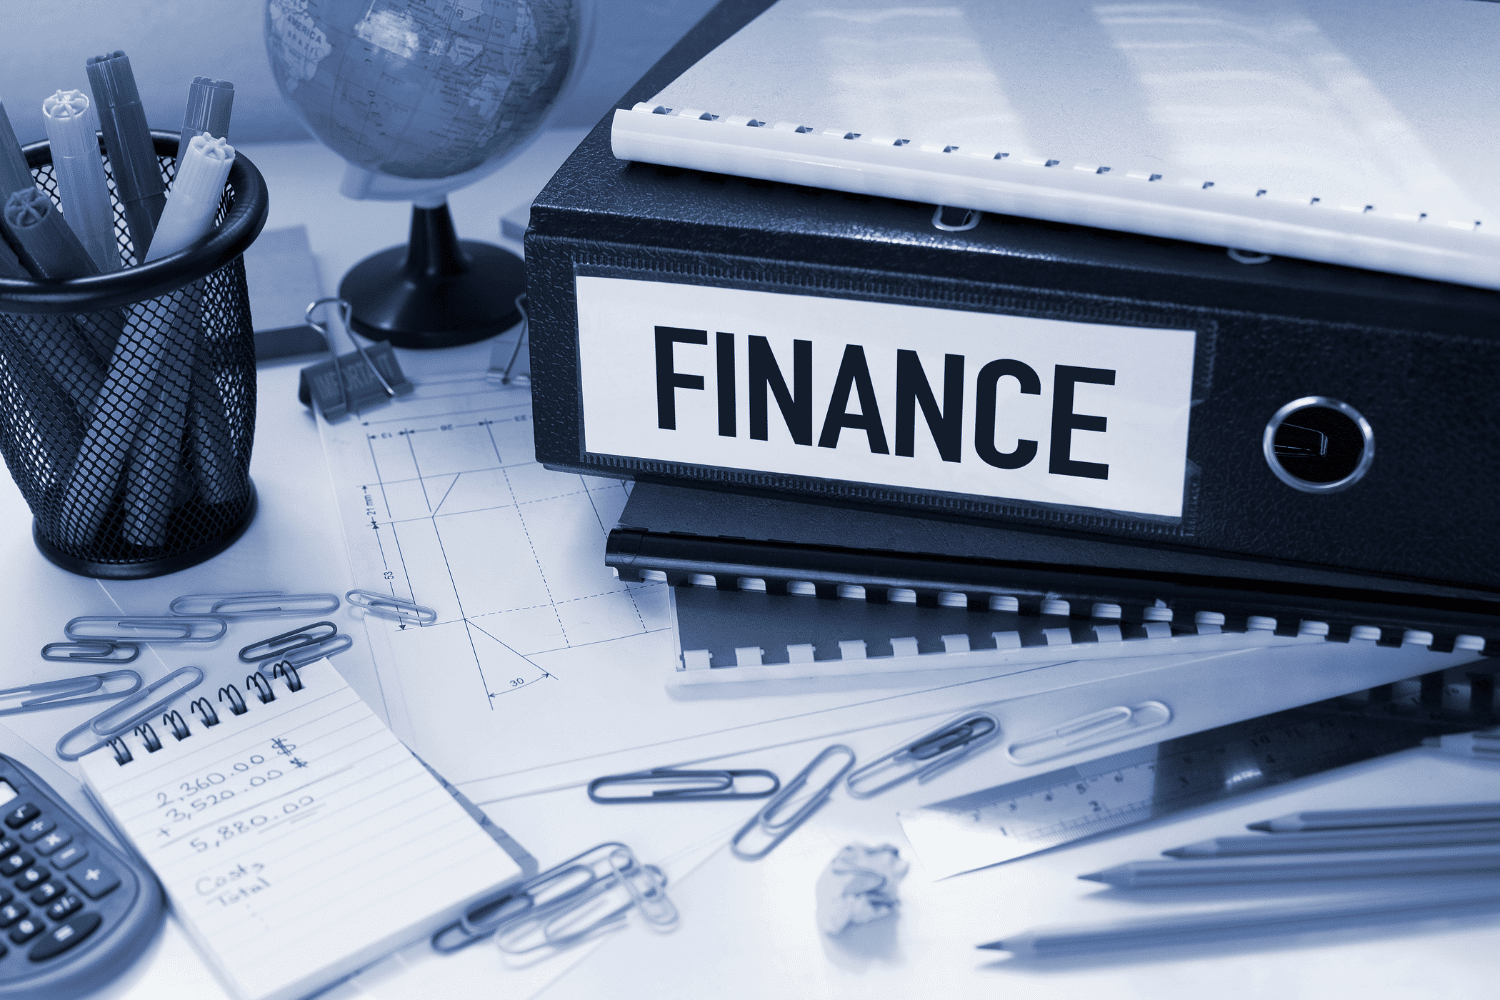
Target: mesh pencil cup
(127, 400)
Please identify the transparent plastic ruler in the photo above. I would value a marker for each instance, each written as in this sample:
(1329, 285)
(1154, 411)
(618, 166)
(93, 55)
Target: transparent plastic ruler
(1013, 820)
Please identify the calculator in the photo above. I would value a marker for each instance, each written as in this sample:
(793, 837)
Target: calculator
(74, 910)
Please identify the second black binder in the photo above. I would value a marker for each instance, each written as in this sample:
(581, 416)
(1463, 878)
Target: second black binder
(700, 329)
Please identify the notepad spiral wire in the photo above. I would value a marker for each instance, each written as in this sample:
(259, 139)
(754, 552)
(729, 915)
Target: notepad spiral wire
(208, 716)
(733, 628)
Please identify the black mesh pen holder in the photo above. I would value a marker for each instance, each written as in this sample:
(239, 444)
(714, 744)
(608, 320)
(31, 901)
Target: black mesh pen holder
(127, 400)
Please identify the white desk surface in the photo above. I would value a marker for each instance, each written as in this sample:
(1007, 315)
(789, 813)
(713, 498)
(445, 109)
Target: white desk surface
(747, 930)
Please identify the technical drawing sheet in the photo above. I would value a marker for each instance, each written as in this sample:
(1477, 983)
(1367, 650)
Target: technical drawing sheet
(543, 670)
(541, 663)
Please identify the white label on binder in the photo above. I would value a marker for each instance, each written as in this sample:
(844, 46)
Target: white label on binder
(912, 397)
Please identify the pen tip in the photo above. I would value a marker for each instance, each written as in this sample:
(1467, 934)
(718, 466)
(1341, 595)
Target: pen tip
(1262, 825)
(1176, 852)
(992, 946)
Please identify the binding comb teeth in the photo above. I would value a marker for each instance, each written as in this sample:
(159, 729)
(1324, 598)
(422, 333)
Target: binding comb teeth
(741, 628)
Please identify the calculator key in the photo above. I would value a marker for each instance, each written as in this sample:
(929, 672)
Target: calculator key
(65, 936)
(15, 864)
(69, 856)
(53, 840)
(32, 877)
(5, 895)
(3, 950)
(96, 880)
(64, 906)
(36, 828)
(47, 892)
(21, 815)
(27, 929)
(11, 912)
(8, 846)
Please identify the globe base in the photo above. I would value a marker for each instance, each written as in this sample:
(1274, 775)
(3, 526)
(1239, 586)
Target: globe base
(437, 291)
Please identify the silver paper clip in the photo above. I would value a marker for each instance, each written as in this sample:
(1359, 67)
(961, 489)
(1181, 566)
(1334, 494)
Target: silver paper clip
(278, 646)
(683, 786)
(150, 628)
(301, 656)
(106, 728)
(770, 826)
(1087, 731)
(566, 904)
(927, 756)
(395, 609)
(255, 604)
(92, 651)
(67, 692)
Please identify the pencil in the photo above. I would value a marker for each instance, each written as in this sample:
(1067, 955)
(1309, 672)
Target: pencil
(1349, 819)
(1237, 925)
(1295, 867)
(1374, 839)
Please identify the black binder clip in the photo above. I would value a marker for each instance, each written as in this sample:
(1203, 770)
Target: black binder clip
(353, 381)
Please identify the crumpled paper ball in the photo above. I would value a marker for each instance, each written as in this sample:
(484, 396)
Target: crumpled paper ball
(858, 886)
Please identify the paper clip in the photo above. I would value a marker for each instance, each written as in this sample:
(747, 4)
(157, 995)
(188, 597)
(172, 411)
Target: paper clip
(103, 726)
(926, 757)
(255, 604)
(565, 904)
(157, 628)
(395, 609)
(1111, 724)
(91, 650)
(682, 786)
(301, 656)
(279, 645)
(68, 691)
(774, 829)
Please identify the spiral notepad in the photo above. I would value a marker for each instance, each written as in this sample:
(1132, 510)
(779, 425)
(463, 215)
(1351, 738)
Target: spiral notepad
(297, 838)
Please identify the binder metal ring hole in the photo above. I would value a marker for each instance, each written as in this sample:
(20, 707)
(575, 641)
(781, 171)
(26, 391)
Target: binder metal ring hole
(1318, 445)
(955, 220)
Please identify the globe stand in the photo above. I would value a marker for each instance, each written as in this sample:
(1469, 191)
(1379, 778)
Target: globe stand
(438, 290)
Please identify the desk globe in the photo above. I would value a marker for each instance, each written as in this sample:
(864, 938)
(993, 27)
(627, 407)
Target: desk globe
(421, 97)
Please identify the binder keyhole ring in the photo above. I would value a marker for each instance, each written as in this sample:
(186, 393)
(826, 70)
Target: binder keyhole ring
(1318, 445)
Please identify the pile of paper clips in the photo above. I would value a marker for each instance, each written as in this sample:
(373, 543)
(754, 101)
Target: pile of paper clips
(113, 640)
(585, 896)
(923, 759)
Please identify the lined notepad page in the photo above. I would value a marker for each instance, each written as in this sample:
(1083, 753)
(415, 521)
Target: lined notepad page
(300, 840)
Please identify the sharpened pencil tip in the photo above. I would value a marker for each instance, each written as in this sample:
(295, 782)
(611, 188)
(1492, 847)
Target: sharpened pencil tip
(1264, 824)
(1094, 876)
(1177, 852)
(993, 946)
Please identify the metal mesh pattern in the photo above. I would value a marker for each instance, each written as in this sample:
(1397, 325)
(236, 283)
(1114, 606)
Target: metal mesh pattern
(128, 430)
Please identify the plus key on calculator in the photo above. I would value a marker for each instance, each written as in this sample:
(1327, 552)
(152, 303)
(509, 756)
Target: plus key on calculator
(74, 910)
